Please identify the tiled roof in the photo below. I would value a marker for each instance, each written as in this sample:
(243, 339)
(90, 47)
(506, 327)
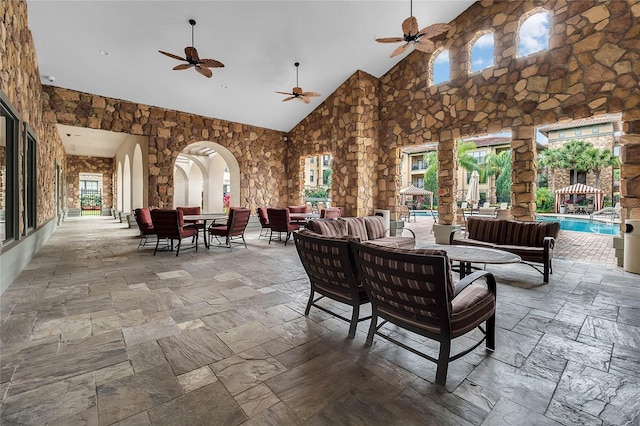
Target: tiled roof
(615, 119)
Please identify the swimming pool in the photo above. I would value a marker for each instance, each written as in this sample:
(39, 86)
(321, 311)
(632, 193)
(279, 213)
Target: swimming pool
(582, 225)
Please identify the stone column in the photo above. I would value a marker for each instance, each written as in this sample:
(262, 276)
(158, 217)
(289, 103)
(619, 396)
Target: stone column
(630, 171)
(523, 173)
(447, 184)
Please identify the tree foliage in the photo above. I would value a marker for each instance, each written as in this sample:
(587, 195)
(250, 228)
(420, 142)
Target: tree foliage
(500, 165)
(577, 155)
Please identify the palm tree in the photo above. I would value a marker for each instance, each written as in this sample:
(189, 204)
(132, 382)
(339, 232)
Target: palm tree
(595, 160)
(431, 173)
(500, 165)
(466, 160)
(553, 159)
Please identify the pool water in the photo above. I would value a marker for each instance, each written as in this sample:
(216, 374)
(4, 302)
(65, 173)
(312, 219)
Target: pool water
(582, 225)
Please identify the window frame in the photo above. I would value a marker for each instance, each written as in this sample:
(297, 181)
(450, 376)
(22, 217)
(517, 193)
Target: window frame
(12, 184)
(30, 179)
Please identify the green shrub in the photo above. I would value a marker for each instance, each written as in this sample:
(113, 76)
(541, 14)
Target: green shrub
(545, 200)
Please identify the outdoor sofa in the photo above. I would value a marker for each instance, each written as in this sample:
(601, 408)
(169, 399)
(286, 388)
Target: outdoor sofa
(532, 241)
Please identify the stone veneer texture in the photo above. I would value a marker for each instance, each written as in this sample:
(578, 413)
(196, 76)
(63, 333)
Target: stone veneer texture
(591, 68)
(20, 81)
(77, 164)
(260, 152)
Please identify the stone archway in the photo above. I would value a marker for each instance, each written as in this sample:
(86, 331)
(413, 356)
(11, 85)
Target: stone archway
(211, 168)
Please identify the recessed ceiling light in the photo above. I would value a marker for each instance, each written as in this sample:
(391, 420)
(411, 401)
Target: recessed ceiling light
(49, 78)
(224, 86)
(104, 52)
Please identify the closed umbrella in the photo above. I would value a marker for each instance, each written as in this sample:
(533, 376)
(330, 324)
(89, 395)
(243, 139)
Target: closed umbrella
(473, 193)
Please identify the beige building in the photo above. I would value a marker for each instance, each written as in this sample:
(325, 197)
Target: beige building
(413, 165)
(603, 133)
(317, 171)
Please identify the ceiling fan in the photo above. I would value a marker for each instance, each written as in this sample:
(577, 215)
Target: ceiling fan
(297, 93)
(192, 58)
(420, 39)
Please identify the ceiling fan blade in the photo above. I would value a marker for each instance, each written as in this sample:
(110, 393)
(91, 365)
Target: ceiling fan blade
(410, 26)
(191, 54)
(400, 50)
(211, 63)
(288, 99)
(204, 71)
(171, 55)
(434, 30)
(390, 40)
(182, 66)
(304, 99)
(309, 94)
(424, 45)
(284, 93)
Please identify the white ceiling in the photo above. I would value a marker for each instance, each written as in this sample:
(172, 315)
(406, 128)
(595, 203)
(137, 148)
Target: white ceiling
(258, 41)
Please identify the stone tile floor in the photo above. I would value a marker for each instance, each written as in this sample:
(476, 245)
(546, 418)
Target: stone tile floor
(96, 332)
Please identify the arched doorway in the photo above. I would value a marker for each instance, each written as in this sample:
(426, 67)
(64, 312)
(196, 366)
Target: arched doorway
(126, 185)
(203, 173)
(138, 179)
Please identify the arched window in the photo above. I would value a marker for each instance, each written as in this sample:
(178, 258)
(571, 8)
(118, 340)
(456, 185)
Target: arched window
(534, 34)
(482, 53)
(441, 67)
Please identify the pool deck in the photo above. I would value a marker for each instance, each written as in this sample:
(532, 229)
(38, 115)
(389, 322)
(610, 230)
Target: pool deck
(570, 245)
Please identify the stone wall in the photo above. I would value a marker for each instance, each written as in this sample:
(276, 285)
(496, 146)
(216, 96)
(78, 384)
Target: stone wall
(77, 164)
(20, 82)
(346, 125)
(260, 152)
(591, 68)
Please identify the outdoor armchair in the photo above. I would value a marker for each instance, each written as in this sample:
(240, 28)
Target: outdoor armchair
(145, 225)
(414, 290)
(281, 222)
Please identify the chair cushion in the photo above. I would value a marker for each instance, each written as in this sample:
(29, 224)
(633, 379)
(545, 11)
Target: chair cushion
(327, 227)
(474, 304)
(376, 227)
(356, 227)
(395, 242)
(520, 233)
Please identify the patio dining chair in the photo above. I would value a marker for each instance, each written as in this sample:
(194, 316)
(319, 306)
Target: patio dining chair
(264, 222)
(145, 225)
(281, 222)
(169, 224)
(233, 229)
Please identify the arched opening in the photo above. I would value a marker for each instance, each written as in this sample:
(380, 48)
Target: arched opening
(119, 193)
(533, 35)
(126, 185)
(137, 179)
(482, 52)
(205, 174)
(441, 67)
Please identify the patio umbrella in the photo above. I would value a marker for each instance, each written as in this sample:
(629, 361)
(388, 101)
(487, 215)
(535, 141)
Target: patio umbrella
(473, 193)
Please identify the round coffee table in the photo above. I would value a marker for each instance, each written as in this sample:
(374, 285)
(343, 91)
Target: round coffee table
(467, 255)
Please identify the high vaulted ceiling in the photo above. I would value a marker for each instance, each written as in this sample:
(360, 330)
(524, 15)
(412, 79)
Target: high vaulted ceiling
(111, 48)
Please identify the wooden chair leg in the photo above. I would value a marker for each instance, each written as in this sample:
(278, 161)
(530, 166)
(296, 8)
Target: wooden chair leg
(443, 362)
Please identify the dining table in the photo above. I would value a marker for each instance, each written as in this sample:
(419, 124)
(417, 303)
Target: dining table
(205, 217)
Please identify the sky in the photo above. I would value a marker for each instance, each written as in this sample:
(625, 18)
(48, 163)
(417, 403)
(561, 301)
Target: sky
(534, 36)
